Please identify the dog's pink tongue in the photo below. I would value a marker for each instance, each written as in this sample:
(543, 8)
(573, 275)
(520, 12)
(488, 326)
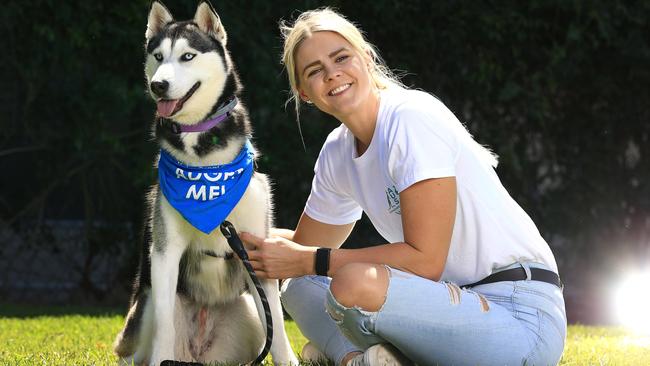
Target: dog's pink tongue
(166, 107)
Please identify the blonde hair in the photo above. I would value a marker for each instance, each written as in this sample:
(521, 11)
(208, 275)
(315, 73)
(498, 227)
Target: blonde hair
(326, 19)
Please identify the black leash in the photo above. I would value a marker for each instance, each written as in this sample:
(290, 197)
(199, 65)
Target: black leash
(229, 232)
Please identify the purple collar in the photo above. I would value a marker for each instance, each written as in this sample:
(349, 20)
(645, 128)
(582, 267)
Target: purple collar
(220, 115)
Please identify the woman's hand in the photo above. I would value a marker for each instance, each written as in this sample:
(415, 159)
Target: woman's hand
(283, 233)
(277, 257)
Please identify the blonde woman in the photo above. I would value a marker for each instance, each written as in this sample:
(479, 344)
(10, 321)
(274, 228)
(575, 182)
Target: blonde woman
(466, 278)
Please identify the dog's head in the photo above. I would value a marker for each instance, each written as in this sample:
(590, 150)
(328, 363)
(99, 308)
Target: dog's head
(187, 65)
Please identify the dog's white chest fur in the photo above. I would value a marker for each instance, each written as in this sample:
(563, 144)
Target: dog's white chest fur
(207, 279)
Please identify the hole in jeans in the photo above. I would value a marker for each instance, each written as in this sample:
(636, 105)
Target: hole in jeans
(335, 315)
(454, 293)
(485, 306)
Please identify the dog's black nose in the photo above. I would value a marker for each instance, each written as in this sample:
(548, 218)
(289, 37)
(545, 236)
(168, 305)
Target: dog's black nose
(159, 87)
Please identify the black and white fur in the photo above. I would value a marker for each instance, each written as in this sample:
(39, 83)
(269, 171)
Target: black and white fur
(186, 305)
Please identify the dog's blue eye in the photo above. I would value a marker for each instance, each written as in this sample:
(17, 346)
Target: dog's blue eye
(187, 56)
(158, 56)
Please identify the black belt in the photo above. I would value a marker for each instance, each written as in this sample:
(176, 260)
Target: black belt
(519, 274)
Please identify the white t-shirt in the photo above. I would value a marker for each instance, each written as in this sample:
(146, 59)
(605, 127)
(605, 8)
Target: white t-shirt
(416, 138)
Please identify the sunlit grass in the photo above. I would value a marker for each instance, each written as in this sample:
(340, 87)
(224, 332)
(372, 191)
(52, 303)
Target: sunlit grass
(58, 339)
(84, 337)
(605, 346)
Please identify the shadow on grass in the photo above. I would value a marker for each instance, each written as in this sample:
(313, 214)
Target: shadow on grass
(24, 311)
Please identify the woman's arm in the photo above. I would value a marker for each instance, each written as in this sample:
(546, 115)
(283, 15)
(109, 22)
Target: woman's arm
(428, 213)
(311, 232)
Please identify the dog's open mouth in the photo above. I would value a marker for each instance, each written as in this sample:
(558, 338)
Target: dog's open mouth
(169, 107)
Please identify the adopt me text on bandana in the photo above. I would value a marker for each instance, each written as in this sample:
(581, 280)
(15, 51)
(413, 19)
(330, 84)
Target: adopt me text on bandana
(205, 196)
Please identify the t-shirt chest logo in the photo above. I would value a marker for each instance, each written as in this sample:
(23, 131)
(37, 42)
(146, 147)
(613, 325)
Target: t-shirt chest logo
(392, 196)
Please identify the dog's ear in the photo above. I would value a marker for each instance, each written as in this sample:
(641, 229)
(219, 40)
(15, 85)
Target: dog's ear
(208, 21)
(158, 17)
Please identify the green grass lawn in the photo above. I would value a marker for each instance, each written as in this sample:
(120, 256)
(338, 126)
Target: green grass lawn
(81, 336)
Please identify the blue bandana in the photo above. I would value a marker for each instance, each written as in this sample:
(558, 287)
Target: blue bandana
(205, 196)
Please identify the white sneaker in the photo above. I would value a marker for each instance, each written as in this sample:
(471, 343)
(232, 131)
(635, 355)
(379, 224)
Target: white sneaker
(311, 353)
(382, 354)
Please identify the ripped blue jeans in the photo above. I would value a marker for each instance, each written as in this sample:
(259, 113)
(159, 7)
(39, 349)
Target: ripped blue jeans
(438, 323)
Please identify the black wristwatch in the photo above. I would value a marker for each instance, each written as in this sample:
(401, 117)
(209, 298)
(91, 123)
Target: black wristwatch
(322, 262)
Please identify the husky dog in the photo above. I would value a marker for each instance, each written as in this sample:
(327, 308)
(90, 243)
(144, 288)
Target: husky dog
(191, 299)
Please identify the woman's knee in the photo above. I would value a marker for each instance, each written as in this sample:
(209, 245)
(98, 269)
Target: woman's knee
(294, 290)
(361, 284)
(291, 290)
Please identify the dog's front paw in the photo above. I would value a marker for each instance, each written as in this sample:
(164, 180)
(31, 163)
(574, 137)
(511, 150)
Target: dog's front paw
(288, 361)
(163, 351)
(179, 363)
(162, 360)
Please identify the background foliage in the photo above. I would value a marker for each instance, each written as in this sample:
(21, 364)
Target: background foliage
(559, 89)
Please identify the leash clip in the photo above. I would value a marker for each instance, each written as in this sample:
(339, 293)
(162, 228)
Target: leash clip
(175, 127)
(229, 232)
(227, 229)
